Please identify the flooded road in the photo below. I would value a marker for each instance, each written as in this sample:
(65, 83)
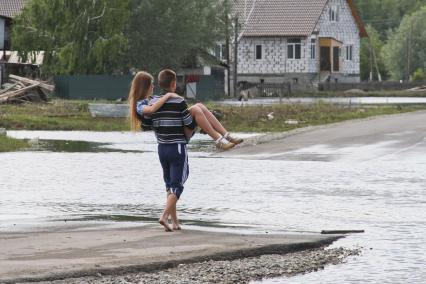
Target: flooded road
(320, 185)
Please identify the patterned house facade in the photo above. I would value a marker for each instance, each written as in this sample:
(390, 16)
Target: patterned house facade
(8, 10)
(299, 41)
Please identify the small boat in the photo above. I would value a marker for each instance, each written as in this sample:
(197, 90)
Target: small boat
(109, 110)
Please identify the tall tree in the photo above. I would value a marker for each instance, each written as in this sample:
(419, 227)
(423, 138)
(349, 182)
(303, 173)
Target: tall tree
(386, 15)
(372, 52)
(77, 36)
(163, 33)
(405, 51)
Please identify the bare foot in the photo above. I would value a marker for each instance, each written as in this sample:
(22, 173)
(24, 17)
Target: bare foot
(177, 227)
(165, 225)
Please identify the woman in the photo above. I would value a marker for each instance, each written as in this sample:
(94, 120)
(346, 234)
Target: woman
(139, 97)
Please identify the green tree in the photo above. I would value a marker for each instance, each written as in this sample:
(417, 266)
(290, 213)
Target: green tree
(166, 33)
(386, 15)
(419, 75)
(405, 50)
(77, 36)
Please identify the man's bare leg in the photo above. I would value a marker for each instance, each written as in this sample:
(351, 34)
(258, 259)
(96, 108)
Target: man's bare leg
(171, 203)
(173, 215)
(175, 220)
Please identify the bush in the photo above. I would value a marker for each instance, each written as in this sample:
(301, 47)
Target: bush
(419, 75)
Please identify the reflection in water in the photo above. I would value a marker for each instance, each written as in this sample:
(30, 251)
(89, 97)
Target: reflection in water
(385, 197)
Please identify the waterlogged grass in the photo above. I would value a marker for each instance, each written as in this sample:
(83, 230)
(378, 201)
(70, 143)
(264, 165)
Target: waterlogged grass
(8, 144)
(74, 115)
(56, 115)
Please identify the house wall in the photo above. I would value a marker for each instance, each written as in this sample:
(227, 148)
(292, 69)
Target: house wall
(275, 67)
(2, 32)
(344, 30)
(274, 59)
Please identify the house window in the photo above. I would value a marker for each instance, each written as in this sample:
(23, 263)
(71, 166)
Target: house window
(334, 13)
(220, 51)
(294, 48)
(313, 48)
(349, 52)
(259, 55)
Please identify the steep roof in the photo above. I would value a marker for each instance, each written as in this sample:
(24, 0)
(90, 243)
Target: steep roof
(284, 17)
(11, 8)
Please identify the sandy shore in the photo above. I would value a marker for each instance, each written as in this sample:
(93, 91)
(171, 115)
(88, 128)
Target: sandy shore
(69, 252)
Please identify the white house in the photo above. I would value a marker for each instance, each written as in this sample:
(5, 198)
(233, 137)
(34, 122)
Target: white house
(8, 10)
(298, 41)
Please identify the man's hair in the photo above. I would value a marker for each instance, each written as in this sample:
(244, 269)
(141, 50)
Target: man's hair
(166, 78)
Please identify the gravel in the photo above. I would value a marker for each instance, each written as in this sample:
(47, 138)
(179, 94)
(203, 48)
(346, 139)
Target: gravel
(235, 271)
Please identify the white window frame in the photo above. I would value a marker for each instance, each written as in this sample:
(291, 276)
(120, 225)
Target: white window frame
(261, 52)
(334, 14)
(313, 48)
(293, 45)
(349, 52)
(220, 51)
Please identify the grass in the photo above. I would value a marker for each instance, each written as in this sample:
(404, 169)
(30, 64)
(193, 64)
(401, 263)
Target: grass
(8, 144)
(74, 115)
(56, 115)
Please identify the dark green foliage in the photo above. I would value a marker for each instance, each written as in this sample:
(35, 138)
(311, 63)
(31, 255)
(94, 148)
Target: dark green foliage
(78, 36)
(384, 15)
(163, 33)
(113, 36)
(388, 23)
(405, 50)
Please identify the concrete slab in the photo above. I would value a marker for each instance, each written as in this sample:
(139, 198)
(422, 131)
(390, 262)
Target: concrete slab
(66, 253)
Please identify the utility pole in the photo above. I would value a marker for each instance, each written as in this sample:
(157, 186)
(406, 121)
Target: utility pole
(227, 49)
(409, 51)
(235, 56)
(371, 59)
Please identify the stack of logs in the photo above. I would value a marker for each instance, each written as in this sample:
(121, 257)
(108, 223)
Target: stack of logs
(21, 89)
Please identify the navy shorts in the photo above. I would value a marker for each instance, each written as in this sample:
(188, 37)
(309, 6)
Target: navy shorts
(174, 160)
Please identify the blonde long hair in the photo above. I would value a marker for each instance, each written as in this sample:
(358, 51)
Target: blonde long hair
(139, 90)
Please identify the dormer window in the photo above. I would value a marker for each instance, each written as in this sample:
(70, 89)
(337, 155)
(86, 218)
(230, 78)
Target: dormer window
(334, 13)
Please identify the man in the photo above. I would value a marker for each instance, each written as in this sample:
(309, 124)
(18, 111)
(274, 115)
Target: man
(168, 123)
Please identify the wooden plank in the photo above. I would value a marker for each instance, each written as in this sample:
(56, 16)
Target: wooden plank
(8, 89)
(10, 95)
(341, 232)
(45, 86)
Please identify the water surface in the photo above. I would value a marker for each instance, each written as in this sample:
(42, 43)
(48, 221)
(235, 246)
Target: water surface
(384, 195)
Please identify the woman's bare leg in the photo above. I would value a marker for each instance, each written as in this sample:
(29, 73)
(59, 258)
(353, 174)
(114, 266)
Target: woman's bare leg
(202, 121)
(218, 126)
(212, 119)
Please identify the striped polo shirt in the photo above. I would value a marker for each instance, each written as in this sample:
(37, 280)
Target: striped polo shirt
(169, 120)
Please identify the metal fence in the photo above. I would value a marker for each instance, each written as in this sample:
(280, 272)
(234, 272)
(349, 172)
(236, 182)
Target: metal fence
(106, 87)
(274, 90)
(369, 86)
